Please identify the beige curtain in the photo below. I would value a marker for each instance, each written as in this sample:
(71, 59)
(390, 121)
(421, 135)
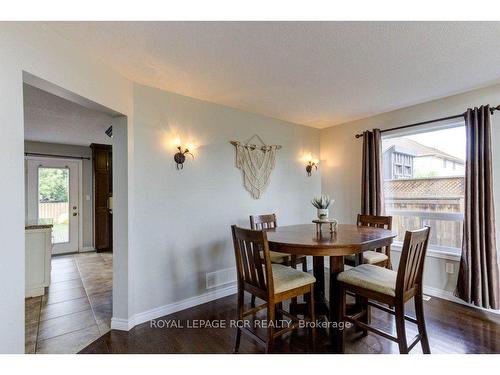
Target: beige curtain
(372, 194)
(478, 275)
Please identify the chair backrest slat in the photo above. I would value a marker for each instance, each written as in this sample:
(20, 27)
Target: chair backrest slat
(253, 262)
(260, 222)
(382, 222)
(411, 264)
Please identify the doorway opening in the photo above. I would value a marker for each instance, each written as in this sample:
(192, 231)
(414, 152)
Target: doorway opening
(69, 219)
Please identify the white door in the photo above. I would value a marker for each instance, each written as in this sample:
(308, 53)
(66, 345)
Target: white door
(53, 194)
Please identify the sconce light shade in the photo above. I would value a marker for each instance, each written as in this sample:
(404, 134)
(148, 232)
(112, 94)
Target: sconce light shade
(310, 166)
(311, 163)
(180, 157)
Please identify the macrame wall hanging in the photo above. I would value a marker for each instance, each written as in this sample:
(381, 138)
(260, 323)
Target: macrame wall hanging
(256, 163)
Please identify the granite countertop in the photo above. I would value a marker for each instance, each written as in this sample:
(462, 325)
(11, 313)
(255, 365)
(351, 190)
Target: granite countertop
(39, 224)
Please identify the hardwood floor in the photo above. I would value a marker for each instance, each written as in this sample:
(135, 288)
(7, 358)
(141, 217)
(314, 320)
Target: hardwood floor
(452, 328)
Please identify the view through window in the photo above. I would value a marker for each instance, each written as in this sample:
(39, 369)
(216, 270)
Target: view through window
(53, 200)
(424, 184)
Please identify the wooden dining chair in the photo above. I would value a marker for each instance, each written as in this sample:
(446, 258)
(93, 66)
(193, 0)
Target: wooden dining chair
(392, 288)
(273, 283)
(269, 221)
(381, 256)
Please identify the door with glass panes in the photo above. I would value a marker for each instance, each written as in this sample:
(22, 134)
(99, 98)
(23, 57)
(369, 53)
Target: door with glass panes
(53, 196)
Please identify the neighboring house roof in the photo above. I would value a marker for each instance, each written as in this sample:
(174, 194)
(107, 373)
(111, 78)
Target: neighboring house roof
(414, 148)
(436, 187)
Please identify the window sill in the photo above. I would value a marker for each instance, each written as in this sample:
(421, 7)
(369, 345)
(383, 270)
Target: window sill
(433, 253)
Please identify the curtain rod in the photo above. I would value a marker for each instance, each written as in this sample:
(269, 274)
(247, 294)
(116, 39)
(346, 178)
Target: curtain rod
(56, 156)
(492, 109)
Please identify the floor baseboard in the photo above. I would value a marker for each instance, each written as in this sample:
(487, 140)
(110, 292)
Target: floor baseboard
(449, 296)
(127, 325)
(87, 249)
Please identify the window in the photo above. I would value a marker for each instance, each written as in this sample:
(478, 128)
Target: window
(429, 193)
(53, 202)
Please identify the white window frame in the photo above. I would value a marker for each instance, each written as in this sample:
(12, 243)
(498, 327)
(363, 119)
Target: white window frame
(436, 251)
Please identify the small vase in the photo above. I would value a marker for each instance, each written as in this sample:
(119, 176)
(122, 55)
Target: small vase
(322, 213)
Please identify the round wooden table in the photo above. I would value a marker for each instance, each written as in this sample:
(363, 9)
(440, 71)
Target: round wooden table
(347, 240)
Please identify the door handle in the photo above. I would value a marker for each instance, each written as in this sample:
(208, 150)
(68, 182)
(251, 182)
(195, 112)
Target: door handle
(75, 213)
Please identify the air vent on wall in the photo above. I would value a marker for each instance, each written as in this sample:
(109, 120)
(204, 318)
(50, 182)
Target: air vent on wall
(109, 131)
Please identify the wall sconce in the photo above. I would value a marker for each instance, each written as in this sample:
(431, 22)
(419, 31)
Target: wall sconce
(180, 156)
(311, 163)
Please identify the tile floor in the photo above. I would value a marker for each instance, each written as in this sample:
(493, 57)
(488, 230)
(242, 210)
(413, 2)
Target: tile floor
(77, 307)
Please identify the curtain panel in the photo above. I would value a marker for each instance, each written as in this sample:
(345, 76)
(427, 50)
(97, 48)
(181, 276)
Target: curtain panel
(478, 281)
(372, 189)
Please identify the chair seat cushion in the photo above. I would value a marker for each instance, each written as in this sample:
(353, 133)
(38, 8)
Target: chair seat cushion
(278, 257)
(371, 277)
(287, 278)
(369, 257)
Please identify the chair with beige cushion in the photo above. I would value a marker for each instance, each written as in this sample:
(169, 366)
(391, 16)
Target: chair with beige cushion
(272, 283)
(269, 221)
(392, 288)
(382, 256)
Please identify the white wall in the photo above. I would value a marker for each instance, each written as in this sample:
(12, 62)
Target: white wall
(341, 158)
(183, 218)
(31, 47)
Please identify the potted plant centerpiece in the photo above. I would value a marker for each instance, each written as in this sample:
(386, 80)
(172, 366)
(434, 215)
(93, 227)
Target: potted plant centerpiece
(322, 203)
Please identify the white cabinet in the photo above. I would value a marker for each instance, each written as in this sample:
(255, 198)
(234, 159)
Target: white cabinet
(38, 247)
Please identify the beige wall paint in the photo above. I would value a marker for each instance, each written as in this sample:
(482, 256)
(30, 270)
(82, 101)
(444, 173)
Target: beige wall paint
(184, 217)
(341, 163)
(78, 151)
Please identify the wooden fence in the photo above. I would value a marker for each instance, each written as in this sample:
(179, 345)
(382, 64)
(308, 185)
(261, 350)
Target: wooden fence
(437, 202)
(53, 210)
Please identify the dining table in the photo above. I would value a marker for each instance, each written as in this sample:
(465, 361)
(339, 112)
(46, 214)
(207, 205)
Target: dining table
(346, 240)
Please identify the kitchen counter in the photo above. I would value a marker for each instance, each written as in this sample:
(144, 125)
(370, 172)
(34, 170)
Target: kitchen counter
(39, 224)
(38, 248)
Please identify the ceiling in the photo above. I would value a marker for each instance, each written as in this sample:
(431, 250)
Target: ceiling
(50, 118)
(313, 73)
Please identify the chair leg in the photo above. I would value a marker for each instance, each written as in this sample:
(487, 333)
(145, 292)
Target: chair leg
(343, 313)
(241, 302)
(419, 312)
(279, 314)
(293, 264)
(366, 318)
(400, 328)
(252, 302)
(304, 264)
(271, 311)
(237, 341)
(388, 262)
(312, 316)
(304, 269)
